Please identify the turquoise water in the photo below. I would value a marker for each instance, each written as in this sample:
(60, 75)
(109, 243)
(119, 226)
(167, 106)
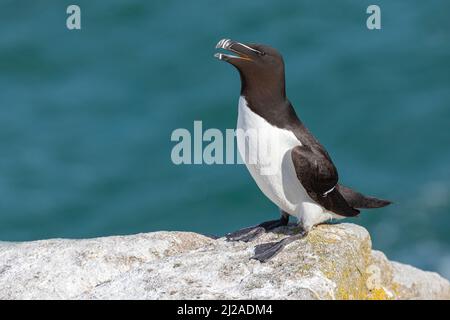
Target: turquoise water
(86, 116)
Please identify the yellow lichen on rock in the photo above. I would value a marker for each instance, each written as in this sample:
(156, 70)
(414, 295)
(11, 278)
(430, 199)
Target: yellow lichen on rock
(350, 264)
(342, 262)
(378, 294)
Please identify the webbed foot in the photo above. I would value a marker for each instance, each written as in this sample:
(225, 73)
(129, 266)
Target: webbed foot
(250, 233)
(264, 252)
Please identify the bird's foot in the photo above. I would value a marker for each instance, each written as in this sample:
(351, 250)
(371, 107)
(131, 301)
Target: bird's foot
(266, 251)
(250, 233)
(246, 234)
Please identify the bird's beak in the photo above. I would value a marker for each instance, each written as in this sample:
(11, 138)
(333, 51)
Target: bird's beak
(243, 52)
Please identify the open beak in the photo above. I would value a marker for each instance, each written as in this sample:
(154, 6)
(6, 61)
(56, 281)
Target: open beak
(242, 51)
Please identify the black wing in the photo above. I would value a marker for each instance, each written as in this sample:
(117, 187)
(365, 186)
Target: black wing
(319, 177)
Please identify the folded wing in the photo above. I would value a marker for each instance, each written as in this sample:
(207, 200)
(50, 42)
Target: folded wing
(318, 175)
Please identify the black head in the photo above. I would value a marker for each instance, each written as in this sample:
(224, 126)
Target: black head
(261, 67)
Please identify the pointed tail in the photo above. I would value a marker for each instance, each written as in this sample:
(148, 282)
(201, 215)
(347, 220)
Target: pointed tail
(358, 200)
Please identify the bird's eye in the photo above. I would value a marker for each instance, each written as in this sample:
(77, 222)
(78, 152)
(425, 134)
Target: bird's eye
(262, 53)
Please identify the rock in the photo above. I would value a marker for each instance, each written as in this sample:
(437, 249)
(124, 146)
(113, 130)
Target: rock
(333, 262)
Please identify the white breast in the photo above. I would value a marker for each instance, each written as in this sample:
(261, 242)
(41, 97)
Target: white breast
(268, 158)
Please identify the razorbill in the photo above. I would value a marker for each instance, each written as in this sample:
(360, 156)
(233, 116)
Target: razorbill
(303, 181)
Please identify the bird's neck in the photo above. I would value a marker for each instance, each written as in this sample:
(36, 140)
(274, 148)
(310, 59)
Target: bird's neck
(268, 100)
(267, 89)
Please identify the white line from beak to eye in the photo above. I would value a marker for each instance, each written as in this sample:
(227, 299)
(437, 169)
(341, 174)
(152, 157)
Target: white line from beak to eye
(249, 48)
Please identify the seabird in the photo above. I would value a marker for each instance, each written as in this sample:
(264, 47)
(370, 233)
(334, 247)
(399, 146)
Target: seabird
(305, 182)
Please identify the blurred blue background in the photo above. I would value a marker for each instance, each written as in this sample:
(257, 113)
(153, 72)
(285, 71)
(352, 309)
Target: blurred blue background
(86, 116)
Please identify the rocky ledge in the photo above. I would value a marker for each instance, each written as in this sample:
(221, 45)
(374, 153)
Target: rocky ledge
(333, 262)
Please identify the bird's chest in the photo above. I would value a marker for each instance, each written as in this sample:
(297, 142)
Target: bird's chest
(266, 151)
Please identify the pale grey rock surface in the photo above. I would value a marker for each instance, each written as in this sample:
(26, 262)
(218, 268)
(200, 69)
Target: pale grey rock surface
(333, 262)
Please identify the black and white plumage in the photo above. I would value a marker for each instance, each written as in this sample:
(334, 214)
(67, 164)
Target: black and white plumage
(303, 181)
